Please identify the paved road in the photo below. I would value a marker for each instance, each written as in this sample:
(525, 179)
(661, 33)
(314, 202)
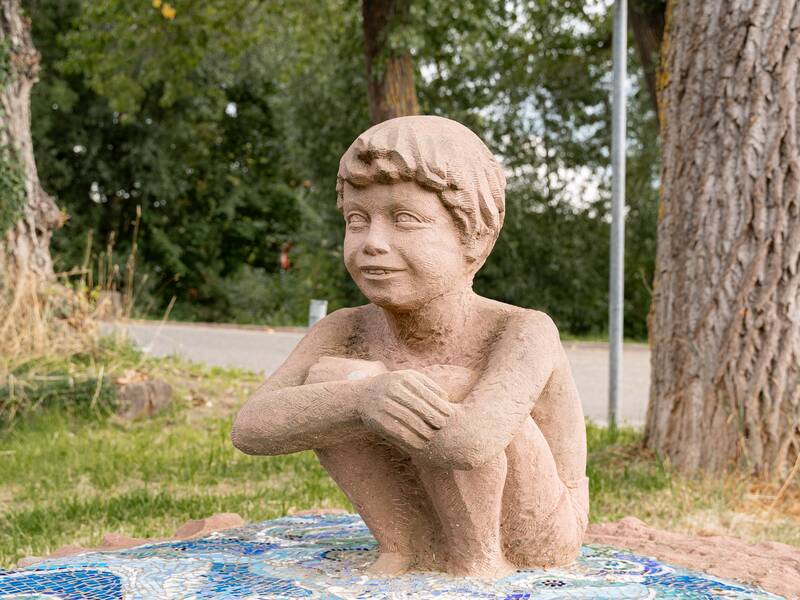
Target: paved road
(263, 349)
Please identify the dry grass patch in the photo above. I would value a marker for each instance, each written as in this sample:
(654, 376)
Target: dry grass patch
(627, 479)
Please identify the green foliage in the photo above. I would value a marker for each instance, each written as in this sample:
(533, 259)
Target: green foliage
(657, 7)
(12, 176)
(12, 188)
(323, 100)
(126, 50)
(131, 111)
(533, 80)
(174, 116)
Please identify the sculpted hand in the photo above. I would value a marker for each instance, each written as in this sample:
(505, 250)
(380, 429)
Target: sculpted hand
(405, 407)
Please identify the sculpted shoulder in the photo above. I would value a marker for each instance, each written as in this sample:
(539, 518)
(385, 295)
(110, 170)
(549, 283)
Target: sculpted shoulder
(528, 324)
(334, 330)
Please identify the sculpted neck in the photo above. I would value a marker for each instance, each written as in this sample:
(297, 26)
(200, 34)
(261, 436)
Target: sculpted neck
(434, 326)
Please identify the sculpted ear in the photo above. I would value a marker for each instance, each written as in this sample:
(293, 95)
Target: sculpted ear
(477, 250)
(470, 256)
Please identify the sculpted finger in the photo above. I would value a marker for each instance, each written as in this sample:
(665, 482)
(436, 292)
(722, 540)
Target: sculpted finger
(430, 384)
(404, 438)
(412, 440)
(399, 434)
(429, 391)
(409, 420)
(419, 406)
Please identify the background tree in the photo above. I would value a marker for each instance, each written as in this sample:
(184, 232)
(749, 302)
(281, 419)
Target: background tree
(726, 319)
(390, 69)
(646, 21)
(27, 214)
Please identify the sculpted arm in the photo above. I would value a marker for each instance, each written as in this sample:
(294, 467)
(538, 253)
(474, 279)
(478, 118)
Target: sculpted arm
(521, 363)
(285, 416)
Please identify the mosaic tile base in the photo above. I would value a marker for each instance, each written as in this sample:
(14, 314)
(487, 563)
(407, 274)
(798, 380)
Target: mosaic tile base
(324, 557)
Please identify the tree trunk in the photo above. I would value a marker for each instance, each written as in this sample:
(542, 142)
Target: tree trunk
(726, 316)
(646, 21)
(390, 73)
(30, 214)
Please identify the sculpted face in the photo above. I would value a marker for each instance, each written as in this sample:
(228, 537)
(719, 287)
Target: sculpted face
(401, 246)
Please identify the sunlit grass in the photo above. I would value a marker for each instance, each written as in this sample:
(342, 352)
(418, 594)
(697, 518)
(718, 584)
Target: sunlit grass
(70, 473)
(71, 479)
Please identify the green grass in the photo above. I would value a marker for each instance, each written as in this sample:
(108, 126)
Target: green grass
(69, 479)
(627, 479)
(71, 472)
(68, 476)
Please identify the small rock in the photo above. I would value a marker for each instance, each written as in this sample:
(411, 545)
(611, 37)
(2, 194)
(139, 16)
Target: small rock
(216, 522)
(70, 550)
(29, 561)
(118, 541)
(143, 399)
(131, 376)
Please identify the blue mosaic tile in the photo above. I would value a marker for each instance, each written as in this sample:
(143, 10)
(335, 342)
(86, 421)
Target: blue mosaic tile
(324, 557)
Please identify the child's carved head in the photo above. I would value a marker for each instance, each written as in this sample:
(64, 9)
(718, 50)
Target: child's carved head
(424, 201)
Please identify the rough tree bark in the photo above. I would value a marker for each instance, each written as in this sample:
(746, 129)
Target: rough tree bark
(26, 245)
(646, 21)
(391, 92)
(726, 317)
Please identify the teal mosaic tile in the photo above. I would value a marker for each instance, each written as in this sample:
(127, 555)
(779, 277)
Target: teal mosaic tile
(323, 557)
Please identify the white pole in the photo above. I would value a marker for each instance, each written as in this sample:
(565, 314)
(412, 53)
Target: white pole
(616, 280)
(317, 309)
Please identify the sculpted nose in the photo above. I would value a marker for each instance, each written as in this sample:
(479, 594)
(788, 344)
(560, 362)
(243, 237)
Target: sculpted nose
(375, 243)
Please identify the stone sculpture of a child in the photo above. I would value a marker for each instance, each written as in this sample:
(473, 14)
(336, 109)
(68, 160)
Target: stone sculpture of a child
(451, 421)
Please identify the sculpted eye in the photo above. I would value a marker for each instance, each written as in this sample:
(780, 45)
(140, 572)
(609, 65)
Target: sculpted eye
(405, 217)
(356, 219)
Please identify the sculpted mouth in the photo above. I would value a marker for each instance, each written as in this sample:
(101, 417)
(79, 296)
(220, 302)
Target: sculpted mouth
(375, 270)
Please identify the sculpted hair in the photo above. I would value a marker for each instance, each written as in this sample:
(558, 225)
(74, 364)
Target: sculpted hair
(440, 155)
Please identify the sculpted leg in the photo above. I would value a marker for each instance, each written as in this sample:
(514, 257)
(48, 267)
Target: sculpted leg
(381, 484)
(469, 505)
(544, 518)
(384, 489)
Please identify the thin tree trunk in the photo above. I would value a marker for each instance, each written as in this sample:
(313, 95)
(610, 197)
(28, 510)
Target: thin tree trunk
(646, 21)
(26, 244)
(391, 92)
(726, 316)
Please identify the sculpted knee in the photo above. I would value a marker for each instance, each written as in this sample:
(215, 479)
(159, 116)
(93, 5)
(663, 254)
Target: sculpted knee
(335, 368)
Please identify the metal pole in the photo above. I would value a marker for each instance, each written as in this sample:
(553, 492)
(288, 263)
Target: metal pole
(616, 289)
